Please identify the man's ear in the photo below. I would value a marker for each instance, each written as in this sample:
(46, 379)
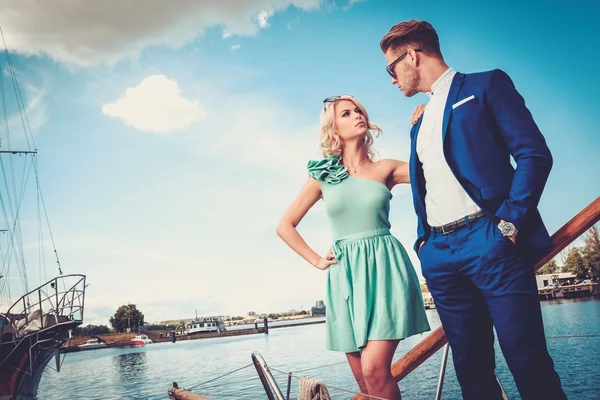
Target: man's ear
(414, 57)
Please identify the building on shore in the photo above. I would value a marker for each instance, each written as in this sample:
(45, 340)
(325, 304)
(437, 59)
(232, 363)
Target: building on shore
(557, 279)
(250, 318)
(428, 300)
(427, 297)
(565, 285)
(318, 308)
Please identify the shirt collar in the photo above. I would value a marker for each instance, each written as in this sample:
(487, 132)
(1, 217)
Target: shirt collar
(444, 81)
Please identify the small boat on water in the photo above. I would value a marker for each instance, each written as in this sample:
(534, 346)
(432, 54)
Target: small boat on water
(141, 340)
(92, 344)
(206, 325)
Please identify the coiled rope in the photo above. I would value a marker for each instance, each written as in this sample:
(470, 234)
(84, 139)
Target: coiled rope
(329, 386)
(312, 389)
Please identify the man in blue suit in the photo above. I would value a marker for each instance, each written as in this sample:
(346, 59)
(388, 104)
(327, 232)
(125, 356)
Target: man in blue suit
(479, 230)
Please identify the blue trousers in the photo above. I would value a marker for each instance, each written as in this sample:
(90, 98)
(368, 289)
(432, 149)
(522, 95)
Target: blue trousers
(478, 283)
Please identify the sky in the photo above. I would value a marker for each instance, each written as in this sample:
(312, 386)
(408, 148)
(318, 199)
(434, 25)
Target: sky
(171, 137)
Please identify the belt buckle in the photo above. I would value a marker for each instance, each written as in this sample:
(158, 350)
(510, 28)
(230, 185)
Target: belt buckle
(445, 232)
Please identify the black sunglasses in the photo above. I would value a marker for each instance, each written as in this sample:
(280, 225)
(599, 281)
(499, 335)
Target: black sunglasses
(333, 99)
(390, 68)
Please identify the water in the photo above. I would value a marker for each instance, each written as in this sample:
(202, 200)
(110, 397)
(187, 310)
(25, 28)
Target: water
(146, 373)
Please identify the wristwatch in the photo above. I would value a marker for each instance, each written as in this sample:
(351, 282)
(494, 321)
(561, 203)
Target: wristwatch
(508, 229)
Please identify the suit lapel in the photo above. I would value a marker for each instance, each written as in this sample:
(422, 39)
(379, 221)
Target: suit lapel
(416, 178)
(414, 135)
(413, 149)
(457, 82)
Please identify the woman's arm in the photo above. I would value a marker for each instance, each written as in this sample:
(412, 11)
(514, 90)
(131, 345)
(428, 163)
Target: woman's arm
(399, 173)
(308, 196)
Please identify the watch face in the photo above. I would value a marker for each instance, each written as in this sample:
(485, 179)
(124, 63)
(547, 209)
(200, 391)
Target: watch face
(507, 229)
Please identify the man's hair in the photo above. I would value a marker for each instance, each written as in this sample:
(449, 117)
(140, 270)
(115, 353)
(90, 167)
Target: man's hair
(412, 34)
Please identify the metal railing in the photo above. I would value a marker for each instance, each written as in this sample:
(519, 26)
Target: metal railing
(58, 301)
(266, 377)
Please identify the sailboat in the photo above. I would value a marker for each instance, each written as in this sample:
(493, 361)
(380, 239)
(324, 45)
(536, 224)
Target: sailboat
(37, 313)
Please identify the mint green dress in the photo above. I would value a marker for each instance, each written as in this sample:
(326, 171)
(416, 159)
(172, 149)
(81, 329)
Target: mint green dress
(373, 292)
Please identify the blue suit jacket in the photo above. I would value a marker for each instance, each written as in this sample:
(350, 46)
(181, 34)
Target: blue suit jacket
(479, 137)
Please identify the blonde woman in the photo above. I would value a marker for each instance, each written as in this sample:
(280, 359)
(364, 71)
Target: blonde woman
(373, 294)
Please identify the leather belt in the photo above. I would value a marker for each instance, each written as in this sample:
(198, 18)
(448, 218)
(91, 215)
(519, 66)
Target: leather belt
(459, 223)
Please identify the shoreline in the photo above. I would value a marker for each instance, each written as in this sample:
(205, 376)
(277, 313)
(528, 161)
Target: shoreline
(122, 340)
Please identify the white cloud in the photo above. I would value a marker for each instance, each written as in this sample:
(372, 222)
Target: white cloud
(263, 18)
(156, 105)
(87, 33)
(235, 47)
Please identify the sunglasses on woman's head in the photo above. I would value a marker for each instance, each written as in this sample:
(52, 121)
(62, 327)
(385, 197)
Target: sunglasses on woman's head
(333, 99)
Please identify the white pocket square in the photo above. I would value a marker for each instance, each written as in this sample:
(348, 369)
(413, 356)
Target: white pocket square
(463, 101)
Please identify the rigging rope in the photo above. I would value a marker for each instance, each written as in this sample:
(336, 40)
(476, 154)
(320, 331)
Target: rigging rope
(14, 208)
(15, 249)
(219, 377)
(321, 366)
(20, 102)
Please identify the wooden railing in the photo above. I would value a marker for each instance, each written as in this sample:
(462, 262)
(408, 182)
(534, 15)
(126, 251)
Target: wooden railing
(184, 394)
(437, 339)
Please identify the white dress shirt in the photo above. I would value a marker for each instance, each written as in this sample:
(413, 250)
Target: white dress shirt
(446, 200)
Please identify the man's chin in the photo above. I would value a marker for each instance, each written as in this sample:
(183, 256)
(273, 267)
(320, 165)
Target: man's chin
(408, 93)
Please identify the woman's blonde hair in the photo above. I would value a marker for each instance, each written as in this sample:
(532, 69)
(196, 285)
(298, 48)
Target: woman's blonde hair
(331, 143)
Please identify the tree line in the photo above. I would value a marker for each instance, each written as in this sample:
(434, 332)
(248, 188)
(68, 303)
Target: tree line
(583, 261)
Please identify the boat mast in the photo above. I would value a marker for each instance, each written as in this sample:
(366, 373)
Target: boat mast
(13, 214)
